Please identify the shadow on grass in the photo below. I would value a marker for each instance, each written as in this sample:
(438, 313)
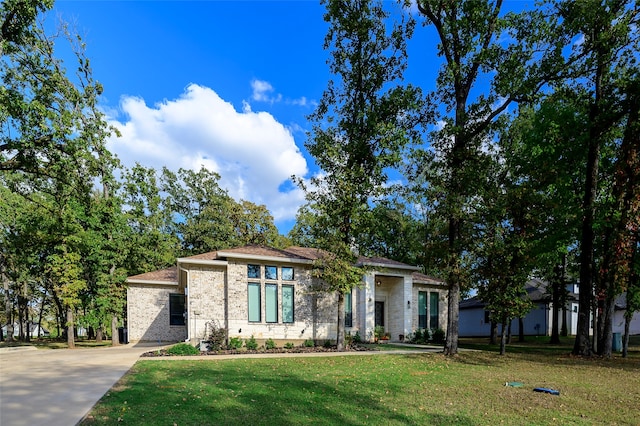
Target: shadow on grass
(256, 392)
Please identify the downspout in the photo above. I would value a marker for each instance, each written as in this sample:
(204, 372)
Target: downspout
(186, 293)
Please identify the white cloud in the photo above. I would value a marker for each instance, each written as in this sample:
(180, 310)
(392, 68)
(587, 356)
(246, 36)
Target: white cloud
(254, 154)
(262, 92)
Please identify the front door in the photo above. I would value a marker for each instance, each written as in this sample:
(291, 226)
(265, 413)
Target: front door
(379, 314)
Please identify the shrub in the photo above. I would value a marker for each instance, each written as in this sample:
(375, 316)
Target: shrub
(309, 343)
(183, 349)
(251, 344)
(217, 336)
(235, 343)
(270, 344)
(420, 337)
(356, 338)
(327, 344)
(438, 336)
(288, 345)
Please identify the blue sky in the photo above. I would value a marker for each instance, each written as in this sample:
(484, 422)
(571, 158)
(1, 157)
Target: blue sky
(224, 84)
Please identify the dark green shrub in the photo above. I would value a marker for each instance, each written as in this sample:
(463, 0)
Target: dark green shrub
(251, 344)
(288, 345)
(327, 344)
(235, 343)
(438, 336)
(270, 344)
(356, 338)
(183, 349)
(309, 343)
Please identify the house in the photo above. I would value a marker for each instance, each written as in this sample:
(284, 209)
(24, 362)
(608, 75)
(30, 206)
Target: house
(619, 320)
(271, 293)
(474, 320)
(35, 331)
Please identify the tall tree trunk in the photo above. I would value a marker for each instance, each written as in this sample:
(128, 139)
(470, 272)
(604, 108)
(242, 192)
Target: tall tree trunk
(520, 329)
(625, 339)
(71, 343)
(555, 303)
(41, 313)
(340, 330)
(503, 339)
(99, 334)
(115, 341)
(493, 339)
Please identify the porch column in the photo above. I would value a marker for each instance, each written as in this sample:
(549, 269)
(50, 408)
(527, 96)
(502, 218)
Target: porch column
(367, 307)
(407, 308)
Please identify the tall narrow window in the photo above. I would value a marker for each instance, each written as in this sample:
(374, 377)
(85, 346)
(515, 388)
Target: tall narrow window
(433, 310)
(422, 309)
(176, 309)
(348, 310)
(287, 303)
(253, 293)
(271, 302)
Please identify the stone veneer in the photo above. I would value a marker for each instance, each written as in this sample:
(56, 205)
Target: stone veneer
(148, 314)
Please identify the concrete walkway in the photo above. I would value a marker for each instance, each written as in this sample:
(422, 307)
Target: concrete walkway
(58, 387)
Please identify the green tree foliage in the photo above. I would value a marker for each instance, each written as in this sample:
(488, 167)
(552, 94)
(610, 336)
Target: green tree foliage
(361, 125)
(514, 54)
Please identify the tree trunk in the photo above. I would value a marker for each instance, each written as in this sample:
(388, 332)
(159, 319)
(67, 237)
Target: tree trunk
(625, 340)
(493, 339)
(41, 313)
(71, 343)
(503, 339)
(520, 329)
(340, 331)
(555, 303)
(8, 308)
(99, 335)
(115, 341)
(606, 340)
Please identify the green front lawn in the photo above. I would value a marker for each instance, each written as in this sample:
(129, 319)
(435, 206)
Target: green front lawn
(389, 389)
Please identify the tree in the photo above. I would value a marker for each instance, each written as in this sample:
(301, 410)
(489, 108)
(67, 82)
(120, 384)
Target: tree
(607, 51)
(361, 124)
(474, 48)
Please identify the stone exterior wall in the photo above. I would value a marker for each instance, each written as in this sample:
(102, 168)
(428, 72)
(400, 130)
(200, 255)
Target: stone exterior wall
(148, 314)
(207, 303)
(442, 304)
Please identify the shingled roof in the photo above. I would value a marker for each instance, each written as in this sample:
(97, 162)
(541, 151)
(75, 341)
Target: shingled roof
(163, 276)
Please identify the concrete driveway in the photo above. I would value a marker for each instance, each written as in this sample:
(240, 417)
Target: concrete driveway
(59, 387)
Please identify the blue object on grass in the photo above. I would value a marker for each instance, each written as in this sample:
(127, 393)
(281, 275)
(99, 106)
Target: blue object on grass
(547, 390)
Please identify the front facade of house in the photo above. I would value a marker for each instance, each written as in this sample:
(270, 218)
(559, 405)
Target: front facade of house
(269, 293)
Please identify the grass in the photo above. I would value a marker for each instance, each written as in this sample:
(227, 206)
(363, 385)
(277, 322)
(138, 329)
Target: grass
(45, 343)
(389, 389)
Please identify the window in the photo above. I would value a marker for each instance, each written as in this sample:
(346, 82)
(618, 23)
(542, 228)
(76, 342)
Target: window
(487, 317)
(176, 309)
(253, 271)
(422, 309)
(287, 303)
(271, 302)
(253, 293)
(270, 273)
(434, 310)
(348, 310)
(287, 273)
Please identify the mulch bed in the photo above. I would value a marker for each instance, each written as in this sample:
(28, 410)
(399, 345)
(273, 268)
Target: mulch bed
(296, 350)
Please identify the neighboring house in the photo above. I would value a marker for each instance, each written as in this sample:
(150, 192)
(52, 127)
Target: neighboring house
(619, 320)
(475, 319)
(271, 293)
(34, 331)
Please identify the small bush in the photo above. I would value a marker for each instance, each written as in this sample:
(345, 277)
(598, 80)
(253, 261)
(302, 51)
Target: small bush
(356, 338)
(235, 343)
(438, 336)
(270, 344)
(309, 343)
(183, 349)
(288, 345)
(327, 344)
(251, 344)
(217, 336)
(420, 337)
